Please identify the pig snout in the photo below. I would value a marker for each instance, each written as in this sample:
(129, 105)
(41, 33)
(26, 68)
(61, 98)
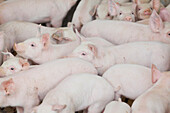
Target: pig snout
(20, 47)
(128, 18)
(147, 12)
(2, 72)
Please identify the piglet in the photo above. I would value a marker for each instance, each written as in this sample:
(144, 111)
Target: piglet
(26, 89)
(165, 14)
(117, 107)
(124, 12)
(39, 11)
(129, 80)
(141, 53)
(68, 97)
(123, 32)
(12, 65)
(84, 12)
(144, 10)
(41, 50)
(156, 99)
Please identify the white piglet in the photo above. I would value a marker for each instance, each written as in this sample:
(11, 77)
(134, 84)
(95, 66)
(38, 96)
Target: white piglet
(78, 92)
(41, 50)
(129, 80)
(141, 53)
(156, 99)
(124, 32)
(13, 65)
(117, 107)
(38, 11)
(26, 89)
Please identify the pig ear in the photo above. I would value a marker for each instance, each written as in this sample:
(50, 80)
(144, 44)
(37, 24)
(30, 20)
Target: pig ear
(156, 74)
(93, 11)
(136, 2)
(7, 55)
(8, 87)
(45, 40)
(82, 38)
(38, 31)
(155, 22)
(113, 7)
(93, 49)
(58, 35)
(58, 107)
(156, 5)
(24, 63)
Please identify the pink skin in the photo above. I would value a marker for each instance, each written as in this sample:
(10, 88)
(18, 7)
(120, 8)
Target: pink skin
(126, 12)
(141, 53)
(52, 11)
(165, 14)
(39, 49)
(13, 65)
(25, 89)
(84, 12)
(111, 30)
(67, 96)
(15, 32)
(131, 80)
(117, 107)
(156, 99)
(144, 10)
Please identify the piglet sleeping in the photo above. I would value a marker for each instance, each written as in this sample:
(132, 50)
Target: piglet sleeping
(76, 93)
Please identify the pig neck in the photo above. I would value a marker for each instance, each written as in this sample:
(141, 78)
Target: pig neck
(56, 51)
(104, 58)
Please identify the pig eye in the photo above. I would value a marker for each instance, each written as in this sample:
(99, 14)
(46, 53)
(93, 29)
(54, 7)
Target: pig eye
(83, 54)
(151, 8)
(120, 13)
(32, 45)
(132, 13)
(139, 9)
(12, 68)
(168, 34)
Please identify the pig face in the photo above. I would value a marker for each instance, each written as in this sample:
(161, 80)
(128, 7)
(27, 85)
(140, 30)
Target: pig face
(49, 109)
(157, 26)
(144, 10)
(86, 51)
(13, 65)
(32, 48)
(123, 12)
(7, 90)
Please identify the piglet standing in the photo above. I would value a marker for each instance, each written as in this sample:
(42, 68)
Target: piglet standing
(39, 49)
(123, 32)
(117, 107)
(156, 99)
(38, 11)
(129, 80)
(84, 12)
(26, 89)
(76, 93)
(12, 65)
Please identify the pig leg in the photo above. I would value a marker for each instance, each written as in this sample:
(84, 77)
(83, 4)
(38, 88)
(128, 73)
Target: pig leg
(96, 108)
(20, 110)
(117, 96)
